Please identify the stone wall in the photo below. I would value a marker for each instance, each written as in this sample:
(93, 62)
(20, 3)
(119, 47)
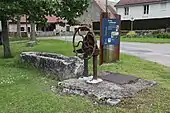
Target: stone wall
(62, 67)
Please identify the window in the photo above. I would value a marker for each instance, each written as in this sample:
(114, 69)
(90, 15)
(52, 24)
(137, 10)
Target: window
(67, 28)
(29, 30)
(126, 10)
(146, 9)
(22, 29)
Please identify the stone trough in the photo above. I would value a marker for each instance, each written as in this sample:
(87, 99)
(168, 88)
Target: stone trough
(62, 67)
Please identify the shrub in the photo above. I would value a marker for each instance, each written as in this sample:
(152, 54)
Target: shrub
(131, 34)
(124, 36)
(155, 32)
(162, 35)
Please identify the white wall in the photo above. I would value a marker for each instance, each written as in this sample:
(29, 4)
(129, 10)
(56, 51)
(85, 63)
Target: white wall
(92, 14)
(72, 28)
(60, 28)
(156, 11)
(13, 27)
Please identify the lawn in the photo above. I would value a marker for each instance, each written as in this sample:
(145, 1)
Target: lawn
(18, 38)
(24, 89)
(144, 40)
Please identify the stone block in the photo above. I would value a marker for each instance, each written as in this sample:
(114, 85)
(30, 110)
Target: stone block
(62, 67)
(105, 92)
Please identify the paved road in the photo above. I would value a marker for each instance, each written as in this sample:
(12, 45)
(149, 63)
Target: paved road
(159, 53)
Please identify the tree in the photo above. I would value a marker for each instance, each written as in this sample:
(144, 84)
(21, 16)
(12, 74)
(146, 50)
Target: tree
(18, 26)
(37, 10)
(71, 9)
(8, 9)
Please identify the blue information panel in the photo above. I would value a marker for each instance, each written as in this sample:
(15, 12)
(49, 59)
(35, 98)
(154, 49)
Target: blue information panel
(110, 31)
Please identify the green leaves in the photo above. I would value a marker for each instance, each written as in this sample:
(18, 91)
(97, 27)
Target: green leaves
(37, 10)
(71, 9)
(9, 8)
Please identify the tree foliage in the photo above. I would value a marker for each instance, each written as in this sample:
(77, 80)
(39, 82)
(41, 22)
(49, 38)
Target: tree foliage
(9, 8)
(71, 9)
(37, 10)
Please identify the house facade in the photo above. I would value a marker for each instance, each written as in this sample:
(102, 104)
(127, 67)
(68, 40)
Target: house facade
(55, 26)
(96, 7)
(145, 14)
(52, 28)
(91, 17)
(12, 26)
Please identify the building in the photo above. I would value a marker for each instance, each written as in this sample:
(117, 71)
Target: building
(94, 10)
(144, 14)
(54, 26)
(26, 27)
(91, 17)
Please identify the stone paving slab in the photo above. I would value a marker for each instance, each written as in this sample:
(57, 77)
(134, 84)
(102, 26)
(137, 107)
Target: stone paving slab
(104, 92)
(117, 77)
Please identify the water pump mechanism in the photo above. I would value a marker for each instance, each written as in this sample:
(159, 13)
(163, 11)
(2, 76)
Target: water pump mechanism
(87, 48)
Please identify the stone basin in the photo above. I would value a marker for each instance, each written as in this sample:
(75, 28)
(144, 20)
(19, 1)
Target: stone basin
(62, 67)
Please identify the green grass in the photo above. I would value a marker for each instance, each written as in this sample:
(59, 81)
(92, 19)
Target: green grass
(24, 89)
(18, 38)
(146, 40)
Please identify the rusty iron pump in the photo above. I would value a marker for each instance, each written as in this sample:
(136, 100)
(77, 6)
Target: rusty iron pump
(88, 49)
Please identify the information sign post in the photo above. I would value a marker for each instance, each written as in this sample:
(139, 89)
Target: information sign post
(110, 40)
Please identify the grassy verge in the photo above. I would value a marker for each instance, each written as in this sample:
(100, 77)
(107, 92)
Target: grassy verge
(18, 38)
(26, 90)
(146, 40)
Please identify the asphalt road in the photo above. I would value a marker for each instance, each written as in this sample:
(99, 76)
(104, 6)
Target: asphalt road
(159, 53)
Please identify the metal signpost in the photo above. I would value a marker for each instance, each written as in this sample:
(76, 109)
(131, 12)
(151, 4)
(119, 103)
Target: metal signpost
(110, 39)
(110, 34)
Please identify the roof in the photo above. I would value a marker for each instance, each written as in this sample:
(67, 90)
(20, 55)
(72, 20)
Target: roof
(50, 19)
(102, 5)
(112, 4)
(132, 2)
(53, 19)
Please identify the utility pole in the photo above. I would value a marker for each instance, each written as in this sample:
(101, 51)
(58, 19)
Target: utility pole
(132, 20)
(91, 15)
(106, 6)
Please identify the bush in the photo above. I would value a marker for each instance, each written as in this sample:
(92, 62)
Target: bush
(162, 35)
(131, 34)
(155, 32)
